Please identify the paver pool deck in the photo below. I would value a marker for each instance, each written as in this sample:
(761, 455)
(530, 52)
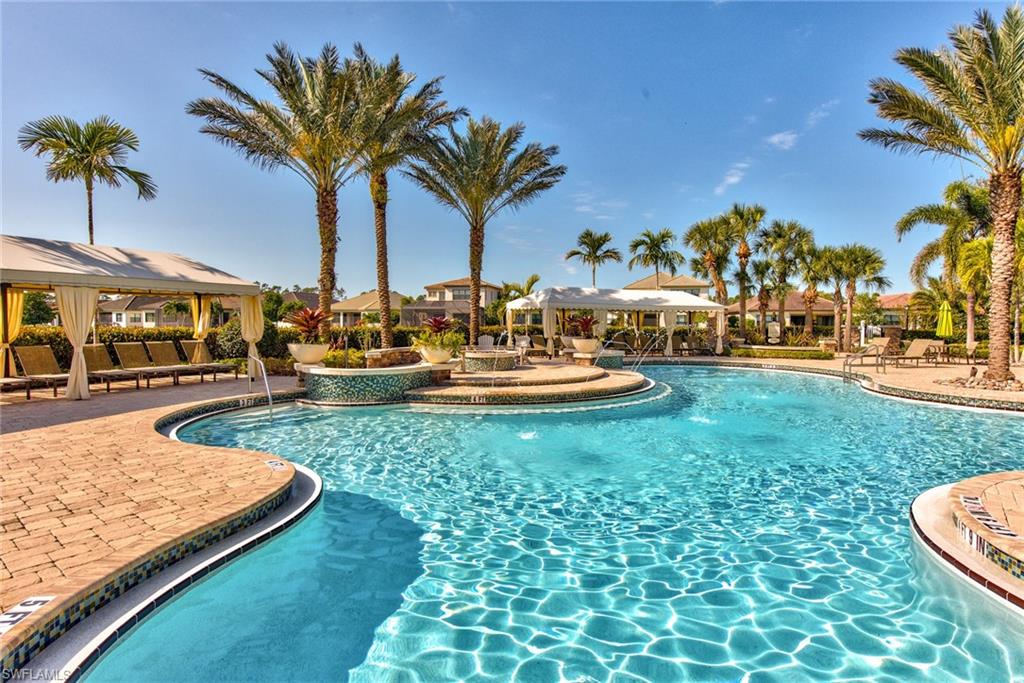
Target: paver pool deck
(88, 488)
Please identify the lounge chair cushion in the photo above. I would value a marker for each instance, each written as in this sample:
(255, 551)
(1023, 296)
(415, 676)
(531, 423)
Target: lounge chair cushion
(38, 361)
(164, 353)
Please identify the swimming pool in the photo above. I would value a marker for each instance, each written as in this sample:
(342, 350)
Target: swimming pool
(748, 522)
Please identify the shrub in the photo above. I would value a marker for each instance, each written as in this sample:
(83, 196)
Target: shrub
(810, 354)
(450, 341)
(226, 341)
(353, 358)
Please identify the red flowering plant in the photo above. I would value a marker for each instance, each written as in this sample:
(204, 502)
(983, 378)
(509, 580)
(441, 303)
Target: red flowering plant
(584, 324)
(307, 321)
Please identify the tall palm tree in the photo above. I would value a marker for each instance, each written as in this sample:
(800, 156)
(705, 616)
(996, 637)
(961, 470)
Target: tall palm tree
(713, 240)
(477, 174)
(862, 265)
(782, 243)
(94, 152)
(317, 131)
(654, 250)
(761, 270)
(593, 250)
(964, 216)
(747, 221)
(970, 109)
(407, 123)
(834, 271)
(812, 266)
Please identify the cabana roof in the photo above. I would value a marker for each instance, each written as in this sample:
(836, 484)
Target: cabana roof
(34, 263)
(613, 300)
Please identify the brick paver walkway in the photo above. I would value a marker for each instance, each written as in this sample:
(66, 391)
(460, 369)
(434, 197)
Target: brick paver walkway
(89, 489)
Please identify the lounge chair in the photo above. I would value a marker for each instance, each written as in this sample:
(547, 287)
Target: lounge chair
(23, 382)
(98, 364)
(38, 364)
(919, 349)
(198, 354)
(679, 345)
(971, 352)
(540, 344)
(165, 354)
(132, 356)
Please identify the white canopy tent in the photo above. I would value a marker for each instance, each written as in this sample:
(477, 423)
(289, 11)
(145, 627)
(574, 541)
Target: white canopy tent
(668, 303)
(79, 273)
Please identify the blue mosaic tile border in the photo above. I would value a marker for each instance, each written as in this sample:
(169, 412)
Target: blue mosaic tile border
(501, 363)
(364, 389)
(515, 398)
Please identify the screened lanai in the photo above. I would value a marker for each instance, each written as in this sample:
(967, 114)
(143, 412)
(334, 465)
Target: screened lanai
(78, 273)
(668, 304)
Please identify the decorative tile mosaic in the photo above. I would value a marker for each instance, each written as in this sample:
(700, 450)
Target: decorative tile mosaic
(609, 362)
(579, 392)
(500, 363)
(364, 388)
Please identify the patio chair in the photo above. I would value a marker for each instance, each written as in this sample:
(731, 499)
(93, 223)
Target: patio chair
(919, 349)
(98, 364)
(38, 364)
(679, 345)
(22, 382)
(198, 354)
(132, 356)
(165, 354)
(632, 342)
(971, 352)
(539, 344)
(774, 333)
(485, 342)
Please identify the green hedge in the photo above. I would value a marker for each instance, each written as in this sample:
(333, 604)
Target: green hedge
(810, 354)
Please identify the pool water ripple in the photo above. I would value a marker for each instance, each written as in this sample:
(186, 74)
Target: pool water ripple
(749, 526)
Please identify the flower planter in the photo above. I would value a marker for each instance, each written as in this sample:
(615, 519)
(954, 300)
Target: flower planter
(309, 354)
(435, 355)
(584, 345)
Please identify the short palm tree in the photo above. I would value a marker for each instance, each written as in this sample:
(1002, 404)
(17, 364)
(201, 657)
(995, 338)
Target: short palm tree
(925, 302)
(761, 269)
(94, 152)
(407, 123)
(479, 173)
(747, 221)
(593, 250)
(317, 130)
(964, 216)
(812, 267)
(713, 240)
(782, 243)
(834, 271)
(971, 109)
(516, 290)
(654, 250)
(862, 265)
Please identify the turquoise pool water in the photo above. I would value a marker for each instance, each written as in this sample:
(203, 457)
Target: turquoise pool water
(748, 525)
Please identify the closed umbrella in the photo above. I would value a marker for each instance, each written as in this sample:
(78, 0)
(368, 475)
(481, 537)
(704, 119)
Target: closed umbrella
(945, 326)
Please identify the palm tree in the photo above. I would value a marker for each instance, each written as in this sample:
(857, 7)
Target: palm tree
(94, 152)
(176, 308)
(479, 173)
(654, 250)
(593, 250)
(925, 302)
(407, 121)
(970, 109)
(812, 265)
(515, 290)
(317, 131)
(746, 222)
(713, 240)
(762, 272)
(862, 265)
(964, 216)
(782, 243)
(834, 271)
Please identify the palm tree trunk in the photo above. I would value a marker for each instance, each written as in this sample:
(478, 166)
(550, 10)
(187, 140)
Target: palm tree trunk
(743, 299)
(851, 292)
(379, 195)
(970, 317)
(782, 315)
(762, 308)
(593, 276)
(88, 197)
(1016, 324)
(810, 297)
(476, 259)
(327, 224)
(657, 277)
(1004, 191)
(837, 317)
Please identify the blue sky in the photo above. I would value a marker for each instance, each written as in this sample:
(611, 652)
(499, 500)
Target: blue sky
(664, 113)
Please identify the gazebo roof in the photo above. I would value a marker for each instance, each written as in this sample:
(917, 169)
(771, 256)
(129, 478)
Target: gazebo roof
(36, 263)
(613, 300)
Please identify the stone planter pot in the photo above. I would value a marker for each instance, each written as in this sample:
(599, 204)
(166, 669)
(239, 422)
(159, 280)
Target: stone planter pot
(309, 354)
(584, 345)
(434, 355)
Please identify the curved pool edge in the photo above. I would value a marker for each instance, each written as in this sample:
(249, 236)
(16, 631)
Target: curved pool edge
(76, 652)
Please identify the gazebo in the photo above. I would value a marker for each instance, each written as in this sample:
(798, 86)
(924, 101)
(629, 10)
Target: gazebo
(79, 273)
(667, 303)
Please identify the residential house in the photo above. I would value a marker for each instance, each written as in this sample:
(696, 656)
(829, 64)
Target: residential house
(139, 311)
(793, 310)
(350, 311)
(449, 299)
(896, 311)
(677, 283)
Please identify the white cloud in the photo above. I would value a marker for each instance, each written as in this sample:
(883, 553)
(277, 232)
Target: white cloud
(733, 176)
(783, 140)
(569, 268)
(770, 99)
(821, 112)
(648, 215)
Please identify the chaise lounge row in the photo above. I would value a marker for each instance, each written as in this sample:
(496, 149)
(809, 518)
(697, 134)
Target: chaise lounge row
(39, 364)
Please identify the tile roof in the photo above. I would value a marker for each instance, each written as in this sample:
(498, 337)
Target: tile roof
(794, 302)
(461, 282)
(667, 282)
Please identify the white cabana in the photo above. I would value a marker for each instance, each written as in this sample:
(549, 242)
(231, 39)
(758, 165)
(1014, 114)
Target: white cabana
(78, 273)
(668, 303)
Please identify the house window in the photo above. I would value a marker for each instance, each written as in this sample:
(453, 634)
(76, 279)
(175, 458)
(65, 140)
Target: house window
(460, 293)
(119, 317)
(150, 317)
(134, 318)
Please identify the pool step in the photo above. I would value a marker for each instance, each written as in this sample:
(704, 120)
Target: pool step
(530, 375)
(612, 383)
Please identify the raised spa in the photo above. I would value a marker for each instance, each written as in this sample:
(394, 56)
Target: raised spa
(489, 361)
(363, 386)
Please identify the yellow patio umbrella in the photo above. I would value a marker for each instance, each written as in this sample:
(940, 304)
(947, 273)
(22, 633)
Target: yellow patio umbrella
(945, 326)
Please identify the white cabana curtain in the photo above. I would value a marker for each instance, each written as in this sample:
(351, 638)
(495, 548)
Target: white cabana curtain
(15, 307)
(510, 317)
(201, 316)
(602, 323)
(252, 327)
(720, 333)
(547, 320)
(76, 306)
(668, 321)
